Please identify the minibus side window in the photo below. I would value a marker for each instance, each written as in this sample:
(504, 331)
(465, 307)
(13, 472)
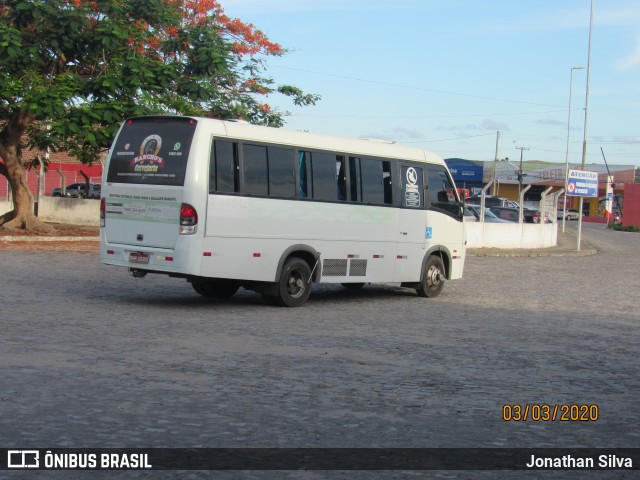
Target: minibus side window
(325, 177)
(304, 174)
(354, 179)
(256, 175)
(441, 190)
(281, 172)
(373, 177)
(224, 169)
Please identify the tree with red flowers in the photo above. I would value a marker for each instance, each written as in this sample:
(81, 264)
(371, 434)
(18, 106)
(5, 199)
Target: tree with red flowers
(72, 70)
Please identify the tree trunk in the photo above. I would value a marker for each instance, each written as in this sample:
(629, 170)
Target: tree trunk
(22, 216)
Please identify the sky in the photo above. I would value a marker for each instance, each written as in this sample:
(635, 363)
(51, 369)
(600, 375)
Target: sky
(447, 75)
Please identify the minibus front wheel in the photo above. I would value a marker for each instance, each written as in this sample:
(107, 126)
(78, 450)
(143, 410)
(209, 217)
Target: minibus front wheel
(433, 277)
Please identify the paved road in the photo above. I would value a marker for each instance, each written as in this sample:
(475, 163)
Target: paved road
(90, 357)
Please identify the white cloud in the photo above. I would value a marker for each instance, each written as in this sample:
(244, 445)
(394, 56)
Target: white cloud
(630, 61)
(490, 124)
(408, 133)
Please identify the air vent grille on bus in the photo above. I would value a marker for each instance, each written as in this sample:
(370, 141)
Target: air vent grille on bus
(358, 268)
(334, 267)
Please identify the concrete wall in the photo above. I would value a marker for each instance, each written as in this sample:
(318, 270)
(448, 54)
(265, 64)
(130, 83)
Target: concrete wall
(479, 235)
(511, 235)
(75, 211)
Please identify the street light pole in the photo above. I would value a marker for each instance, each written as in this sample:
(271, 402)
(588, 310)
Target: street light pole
(566, 161)
(584, 138)
(495, 166)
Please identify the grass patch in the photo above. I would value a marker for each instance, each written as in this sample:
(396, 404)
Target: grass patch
(624, 228)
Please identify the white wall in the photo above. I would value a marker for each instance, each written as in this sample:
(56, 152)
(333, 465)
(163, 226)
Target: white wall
(479, 235)
(511, 235)
(75, 211)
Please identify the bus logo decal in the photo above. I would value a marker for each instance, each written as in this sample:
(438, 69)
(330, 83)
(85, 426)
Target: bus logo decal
(148, 161)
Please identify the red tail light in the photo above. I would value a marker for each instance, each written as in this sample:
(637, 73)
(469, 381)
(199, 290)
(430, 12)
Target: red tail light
(188, 219)
(103, 212)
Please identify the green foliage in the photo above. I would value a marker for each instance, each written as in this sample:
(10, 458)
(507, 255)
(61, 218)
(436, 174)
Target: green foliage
(624, 228)
(81, 67)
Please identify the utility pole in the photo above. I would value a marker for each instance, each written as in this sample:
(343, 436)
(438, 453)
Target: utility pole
(520, 172)
(495, 167)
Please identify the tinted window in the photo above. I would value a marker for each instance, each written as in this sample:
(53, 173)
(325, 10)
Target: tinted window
(223, 174)
(304, 174)
(325, 185)
(281, 172)
(441, 190)
(254, 158)
(354, 179)
(341, 174)
(376, 181)
(152, 151)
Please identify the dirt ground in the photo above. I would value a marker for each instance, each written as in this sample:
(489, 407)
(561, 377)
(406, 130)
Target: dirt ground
(66, 239)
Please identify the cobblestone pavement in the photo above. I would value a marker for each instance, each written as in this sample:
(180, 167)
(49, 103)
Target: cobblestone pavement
(91, 357)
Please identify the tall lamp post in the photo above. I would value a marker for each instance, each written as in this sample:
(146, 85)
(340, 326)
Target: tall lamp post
(584, 139)
(566, 161)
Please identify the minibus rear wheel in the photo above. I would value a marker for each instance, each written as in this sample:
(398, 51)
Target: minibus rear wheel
(294, 285)
(215, 288)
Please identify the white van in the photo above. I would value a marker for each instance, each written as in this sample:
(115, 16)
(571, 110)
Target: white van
(226, 204)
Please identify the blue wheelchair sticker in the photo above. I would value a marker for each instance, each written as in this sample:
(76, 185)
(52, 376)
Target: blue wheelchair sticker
(429, 232)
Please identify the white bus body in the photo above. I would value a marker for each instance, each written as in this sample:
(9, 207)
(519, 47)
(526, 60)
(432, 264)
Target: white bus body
(226, 204)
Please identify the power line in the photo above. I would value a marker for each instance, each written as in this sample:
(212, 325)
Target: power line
(449, 139)
(425, 116)
(410, 87)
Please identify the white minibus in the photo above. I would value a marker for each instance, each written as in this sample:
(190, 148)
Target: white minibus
(226, 204)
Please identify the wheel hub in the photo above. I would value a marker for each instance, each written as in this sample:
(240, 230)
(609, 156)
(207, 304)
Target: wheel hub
(434, 277)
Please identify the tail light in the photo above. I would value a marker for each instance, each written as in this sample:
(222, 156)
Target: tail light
(188, 219)
(536, 218)
(103, 212)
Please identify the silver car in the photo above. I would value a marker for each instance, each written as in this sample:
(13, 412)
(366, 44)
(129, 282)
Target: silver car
(472, 213)
(572, 214)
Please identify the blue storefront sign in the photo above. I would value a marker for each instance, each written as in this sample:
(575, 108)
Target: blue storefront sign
(464, 170)
(581, 183)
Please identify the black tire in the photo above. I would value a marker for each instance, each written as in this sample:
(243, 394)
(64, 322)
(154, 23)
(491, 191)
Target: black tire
(221, 289)
(271, 300)
(353, 286)
(433, 278)
(294, 286)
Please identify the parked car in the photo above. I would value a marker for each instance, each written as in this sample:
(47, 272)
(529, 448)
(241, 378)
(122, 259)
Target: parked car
(78, 190)
(472, 213)
(513, 214)
(489, 201)
(572, 214)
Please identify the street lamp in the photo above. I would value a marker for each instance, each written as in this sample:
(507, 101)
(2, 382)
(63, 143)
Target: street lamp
(584, 138)
(566, 161)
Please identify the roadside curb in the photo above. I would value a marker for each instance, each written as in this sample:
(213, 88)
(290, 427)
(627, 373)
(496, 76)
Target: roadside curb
(495, 252)
(565, 248)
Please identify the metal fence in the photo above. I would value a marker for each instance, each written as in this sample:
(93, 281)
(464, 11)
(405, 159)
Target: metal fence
(50, 180)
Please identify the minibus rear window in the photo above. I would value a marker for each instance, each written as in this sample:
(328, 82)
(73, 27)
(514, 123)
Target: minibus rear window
(152, 151)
